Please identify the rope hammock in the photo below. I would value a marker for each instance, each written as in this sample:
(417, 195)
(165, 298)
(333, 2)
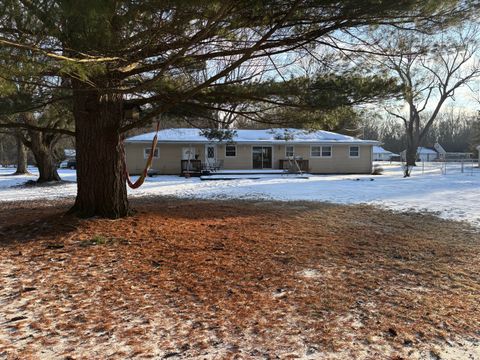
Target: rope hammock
(141, 179)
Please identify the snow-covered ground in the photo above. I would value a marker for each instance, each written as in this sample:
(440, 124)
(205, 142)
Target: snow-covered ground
(453, 195)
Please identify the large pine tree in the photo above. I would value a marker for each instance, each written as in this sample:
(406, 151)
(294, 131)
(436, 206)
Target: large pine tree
(111, 55)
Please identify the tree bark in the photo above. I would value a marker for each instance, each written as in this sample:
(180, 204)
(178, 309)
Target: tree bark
(411, 153)
(101, 180)
(413, 141)
(47, 168)
(2, 152)
(21, 156)
(413, 136)
(41, 146)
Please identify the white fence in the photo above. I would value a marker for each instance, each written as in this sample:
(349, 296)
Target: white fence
(467, 167)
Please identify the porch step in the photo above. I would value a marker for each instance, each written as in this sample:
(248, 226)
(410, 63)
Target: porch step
(250, 172)
(228, 177)
(253, 176)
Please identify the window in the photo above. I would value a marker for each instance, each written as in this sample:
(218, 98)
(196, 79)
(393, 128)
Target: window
(321, 151)
(146, 153)
(230, 151)
(354, 151)
(316, 151)
(210, 152)
(289, 151)
(188, 153)
(326, 151)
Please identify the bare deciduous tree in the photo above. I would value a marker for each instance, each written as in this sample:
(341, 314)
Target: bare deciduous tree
(430, 70)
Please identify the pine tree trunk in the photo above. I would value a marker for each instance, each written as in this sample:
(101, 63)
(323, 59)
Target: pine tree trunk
(21, 156)
(41, 146)
(47, 168)
(101, 178)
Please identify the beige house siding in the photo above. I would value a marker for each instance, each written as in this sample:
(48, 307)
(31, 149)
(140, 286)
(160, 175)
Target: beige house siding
(171, 154)
(340, 162)
(242, 160)
(168, 161)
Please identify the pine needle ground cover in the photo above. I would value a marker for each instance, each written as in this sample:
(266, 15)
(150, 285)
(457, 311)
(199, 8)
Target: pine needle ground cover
(237, 279)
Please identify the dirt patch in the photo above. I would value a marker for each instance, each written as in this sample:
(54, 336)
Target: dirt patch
(228, 279)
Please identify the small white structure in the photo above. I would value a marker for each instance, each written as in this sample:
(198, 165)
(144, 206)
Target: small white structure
(440, 150)
(423, 154)
(426, 154)
(380, 154)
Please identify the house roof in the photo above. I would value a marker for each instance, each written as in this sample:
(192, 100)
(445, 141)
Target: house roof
(423, 151)
(270, 136)
(381, 150)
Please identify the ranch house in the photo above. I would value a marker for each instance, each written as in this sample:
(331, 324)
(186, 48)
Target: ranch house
(188, 150)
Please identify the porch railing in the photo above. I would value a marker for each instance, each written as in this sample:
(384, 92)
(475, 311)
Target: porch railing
(191, 166)
(289, 165)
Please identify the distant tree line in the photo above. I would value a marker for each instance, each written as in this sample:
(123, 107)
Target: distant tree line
(455, 131)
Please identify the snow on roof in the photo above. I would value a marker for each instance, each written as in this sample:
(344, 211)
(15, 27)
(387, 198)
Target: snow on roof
(424, 150)
(191, 135)
(439, 148)
(381, 150)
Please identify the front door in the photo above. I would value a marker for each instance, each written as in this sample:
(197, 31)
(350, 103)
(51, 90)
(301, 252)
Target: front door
(210, 154)
(262, 157)
(188, 153)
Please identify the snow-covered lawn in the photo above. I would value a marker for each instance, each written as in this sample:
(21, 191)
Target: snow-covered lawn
(11, 189)
(453, 196)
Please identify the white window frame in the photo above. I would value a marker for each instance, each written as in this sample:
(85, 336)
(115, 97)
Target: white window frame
(293, 151)
(331, 151)
(321, 151)
(230, 156)
(350, 152)
(311, 151)
(189, 151)
(157, 151)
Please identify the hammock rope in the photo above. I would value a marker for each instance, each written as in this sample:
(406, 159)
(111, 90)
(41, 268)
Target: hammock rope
(143, 176)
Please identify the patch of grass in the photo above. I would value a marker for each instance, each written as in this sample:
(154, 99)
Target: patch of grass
(100, 240)
(96, 240)
(103, 240)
